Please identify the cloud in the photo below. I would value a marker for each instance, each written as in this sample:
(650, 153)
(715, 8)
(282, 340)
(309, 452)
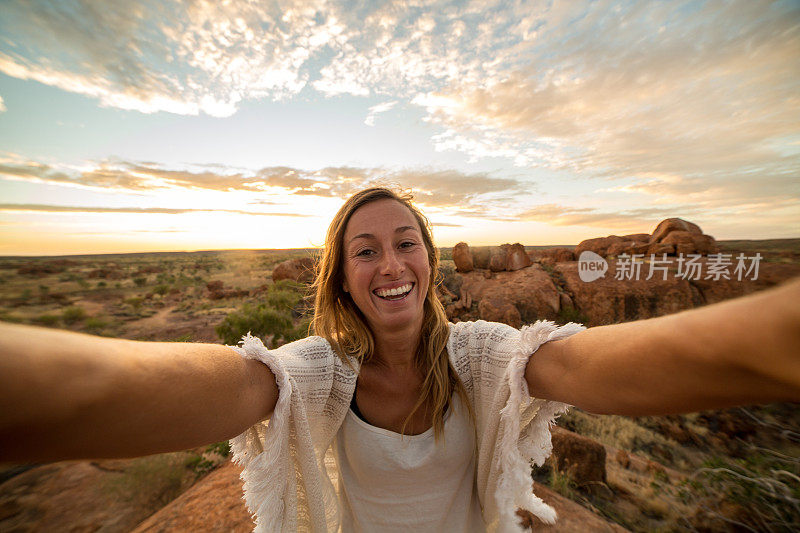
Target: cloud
(559, 215)
(2, 105)
(44, 208)
(704, 91)
(467, 193)
(375, 110)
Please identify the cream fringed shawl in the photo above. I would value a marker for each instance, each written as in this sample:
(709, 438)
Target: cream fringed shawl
(286, 484)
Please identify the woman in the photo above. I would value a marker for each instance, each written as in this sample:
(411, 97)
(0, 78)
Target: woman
(430, 423)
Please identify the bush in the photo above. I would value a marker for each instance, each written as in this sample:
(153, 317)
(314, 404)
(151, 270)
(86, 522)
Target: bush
(47, 320)
(73, 314)
(140, 281)
(161, 289)
(261, 321)
(95, 325)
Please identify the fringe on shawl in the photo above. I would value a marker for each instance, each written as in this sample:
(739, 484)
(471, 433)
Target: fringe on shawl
(522, 444)
(259, 449)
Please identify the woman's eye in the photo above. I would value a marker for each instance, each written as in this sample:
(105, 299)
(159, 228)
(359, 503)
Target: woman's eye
(365, 253)
(407, 244)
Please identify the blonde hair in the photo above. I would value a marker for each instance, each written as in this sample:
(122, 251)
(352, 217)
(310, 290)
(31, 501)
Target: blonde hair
(341, 323)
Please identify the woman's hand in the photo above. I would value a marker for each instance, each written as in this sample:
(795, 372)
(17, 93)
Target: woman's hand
(67, 395)
(742, 351)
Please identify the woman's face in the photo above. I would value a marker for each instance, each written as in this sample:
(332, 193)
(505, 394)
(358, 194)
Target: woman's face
(386, 267)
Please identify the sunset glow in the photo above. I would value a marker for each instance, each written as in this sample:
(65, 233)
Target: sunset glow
(151, 126)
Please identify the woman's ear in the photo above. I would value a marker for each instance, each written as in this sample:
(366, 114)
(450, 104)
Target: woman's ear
(345, 288)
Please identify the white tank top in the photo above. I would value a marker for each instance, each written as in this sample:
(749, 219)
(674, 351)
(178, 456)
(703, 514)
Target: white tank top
(389, 483)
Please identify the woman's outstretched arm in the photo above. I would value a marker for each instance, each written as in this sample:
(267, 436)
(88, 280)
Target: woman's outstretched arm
(738, 352)
(67, 395)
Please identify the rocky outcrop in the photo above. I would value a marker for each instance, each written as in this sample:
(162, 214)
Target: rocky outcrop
(669, 225)
(608, 300)
(598, 245)
(530, 290)
(300, 270)
(672, 236)
(581, 458)
(572, 517)
(214, 504)
(517, 257)
(551, 256)
(462, 258)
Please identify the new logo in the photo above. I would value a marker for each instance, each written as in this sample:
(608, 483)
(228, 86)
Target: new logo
(591, 266)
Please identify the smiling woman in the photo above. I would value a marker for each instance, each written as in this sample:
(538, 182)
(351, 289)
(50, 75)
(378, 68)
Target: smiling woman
(432, 426)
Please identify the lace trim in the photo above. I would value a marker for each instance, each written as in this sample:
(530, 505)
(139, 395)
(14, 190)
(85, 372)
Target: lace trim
(519, 445)
(263, 449)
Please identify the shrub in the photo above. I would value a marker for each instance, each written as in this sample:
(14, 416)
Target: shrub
(161, 289)
(95, 325)
(261, 321)
(570, 314)
(151, 481)
(47, 320)
(135, 302)
(141, 281)
(73, 314)
(101, 284)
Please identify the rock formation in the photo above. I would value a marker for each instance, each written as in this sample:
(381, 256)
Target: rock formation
(462, 257)
(300, 270)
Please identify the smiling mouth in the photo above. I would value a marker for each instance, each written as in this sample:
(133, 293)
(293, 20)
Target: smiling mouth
(394, 294)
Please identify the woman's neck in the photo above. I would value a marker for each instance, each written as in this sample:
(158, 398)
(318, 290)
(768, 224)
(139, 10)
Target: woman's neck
(396, 350)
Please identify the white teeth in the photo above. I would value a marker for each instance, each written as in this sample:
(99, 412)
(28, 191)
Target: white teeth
(394, 292)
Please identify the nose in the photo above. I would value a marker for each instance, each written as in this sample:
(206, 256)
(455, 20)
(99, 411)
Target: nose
(391, 264)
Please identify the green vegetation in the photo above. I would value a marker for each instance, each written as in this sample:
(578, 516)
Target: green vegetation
(47, 320)
(262, 321)
(72, 315)
(570, 314)
(762, 490)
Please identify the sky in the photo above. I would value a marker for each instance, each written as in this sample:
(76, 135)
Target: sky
(197, 125)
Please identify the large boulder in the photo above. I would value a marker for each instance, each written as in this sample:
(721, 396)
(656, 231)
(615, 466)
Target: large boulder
(462, 258)
(598, 245)
(517, 257)
(551, 256)
(673, 224)
(530, 290)
(581, 458)
(480, 257)
(686, 242)
(608, 300)
(498, 258)
(300, 270)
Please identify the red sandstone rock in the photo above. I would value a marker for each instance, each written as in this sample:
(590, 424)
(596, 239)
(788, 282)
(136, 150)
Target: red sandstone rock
(480, 257)
(621, 247)
(673, 224)
(572, 517)
(552, 256)
(214, 504)
(517, 258)
(301, 270)
(608, 300)
(462, 257)
(499, 309)
(637, 237)
(660, 248)
(530, 290)
(598, 245)
(498, 258)
(582, 458)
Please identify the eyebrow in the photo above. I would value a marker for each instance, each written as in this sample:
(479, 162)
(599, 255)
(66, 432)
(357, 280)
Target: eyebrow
(401, 229)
